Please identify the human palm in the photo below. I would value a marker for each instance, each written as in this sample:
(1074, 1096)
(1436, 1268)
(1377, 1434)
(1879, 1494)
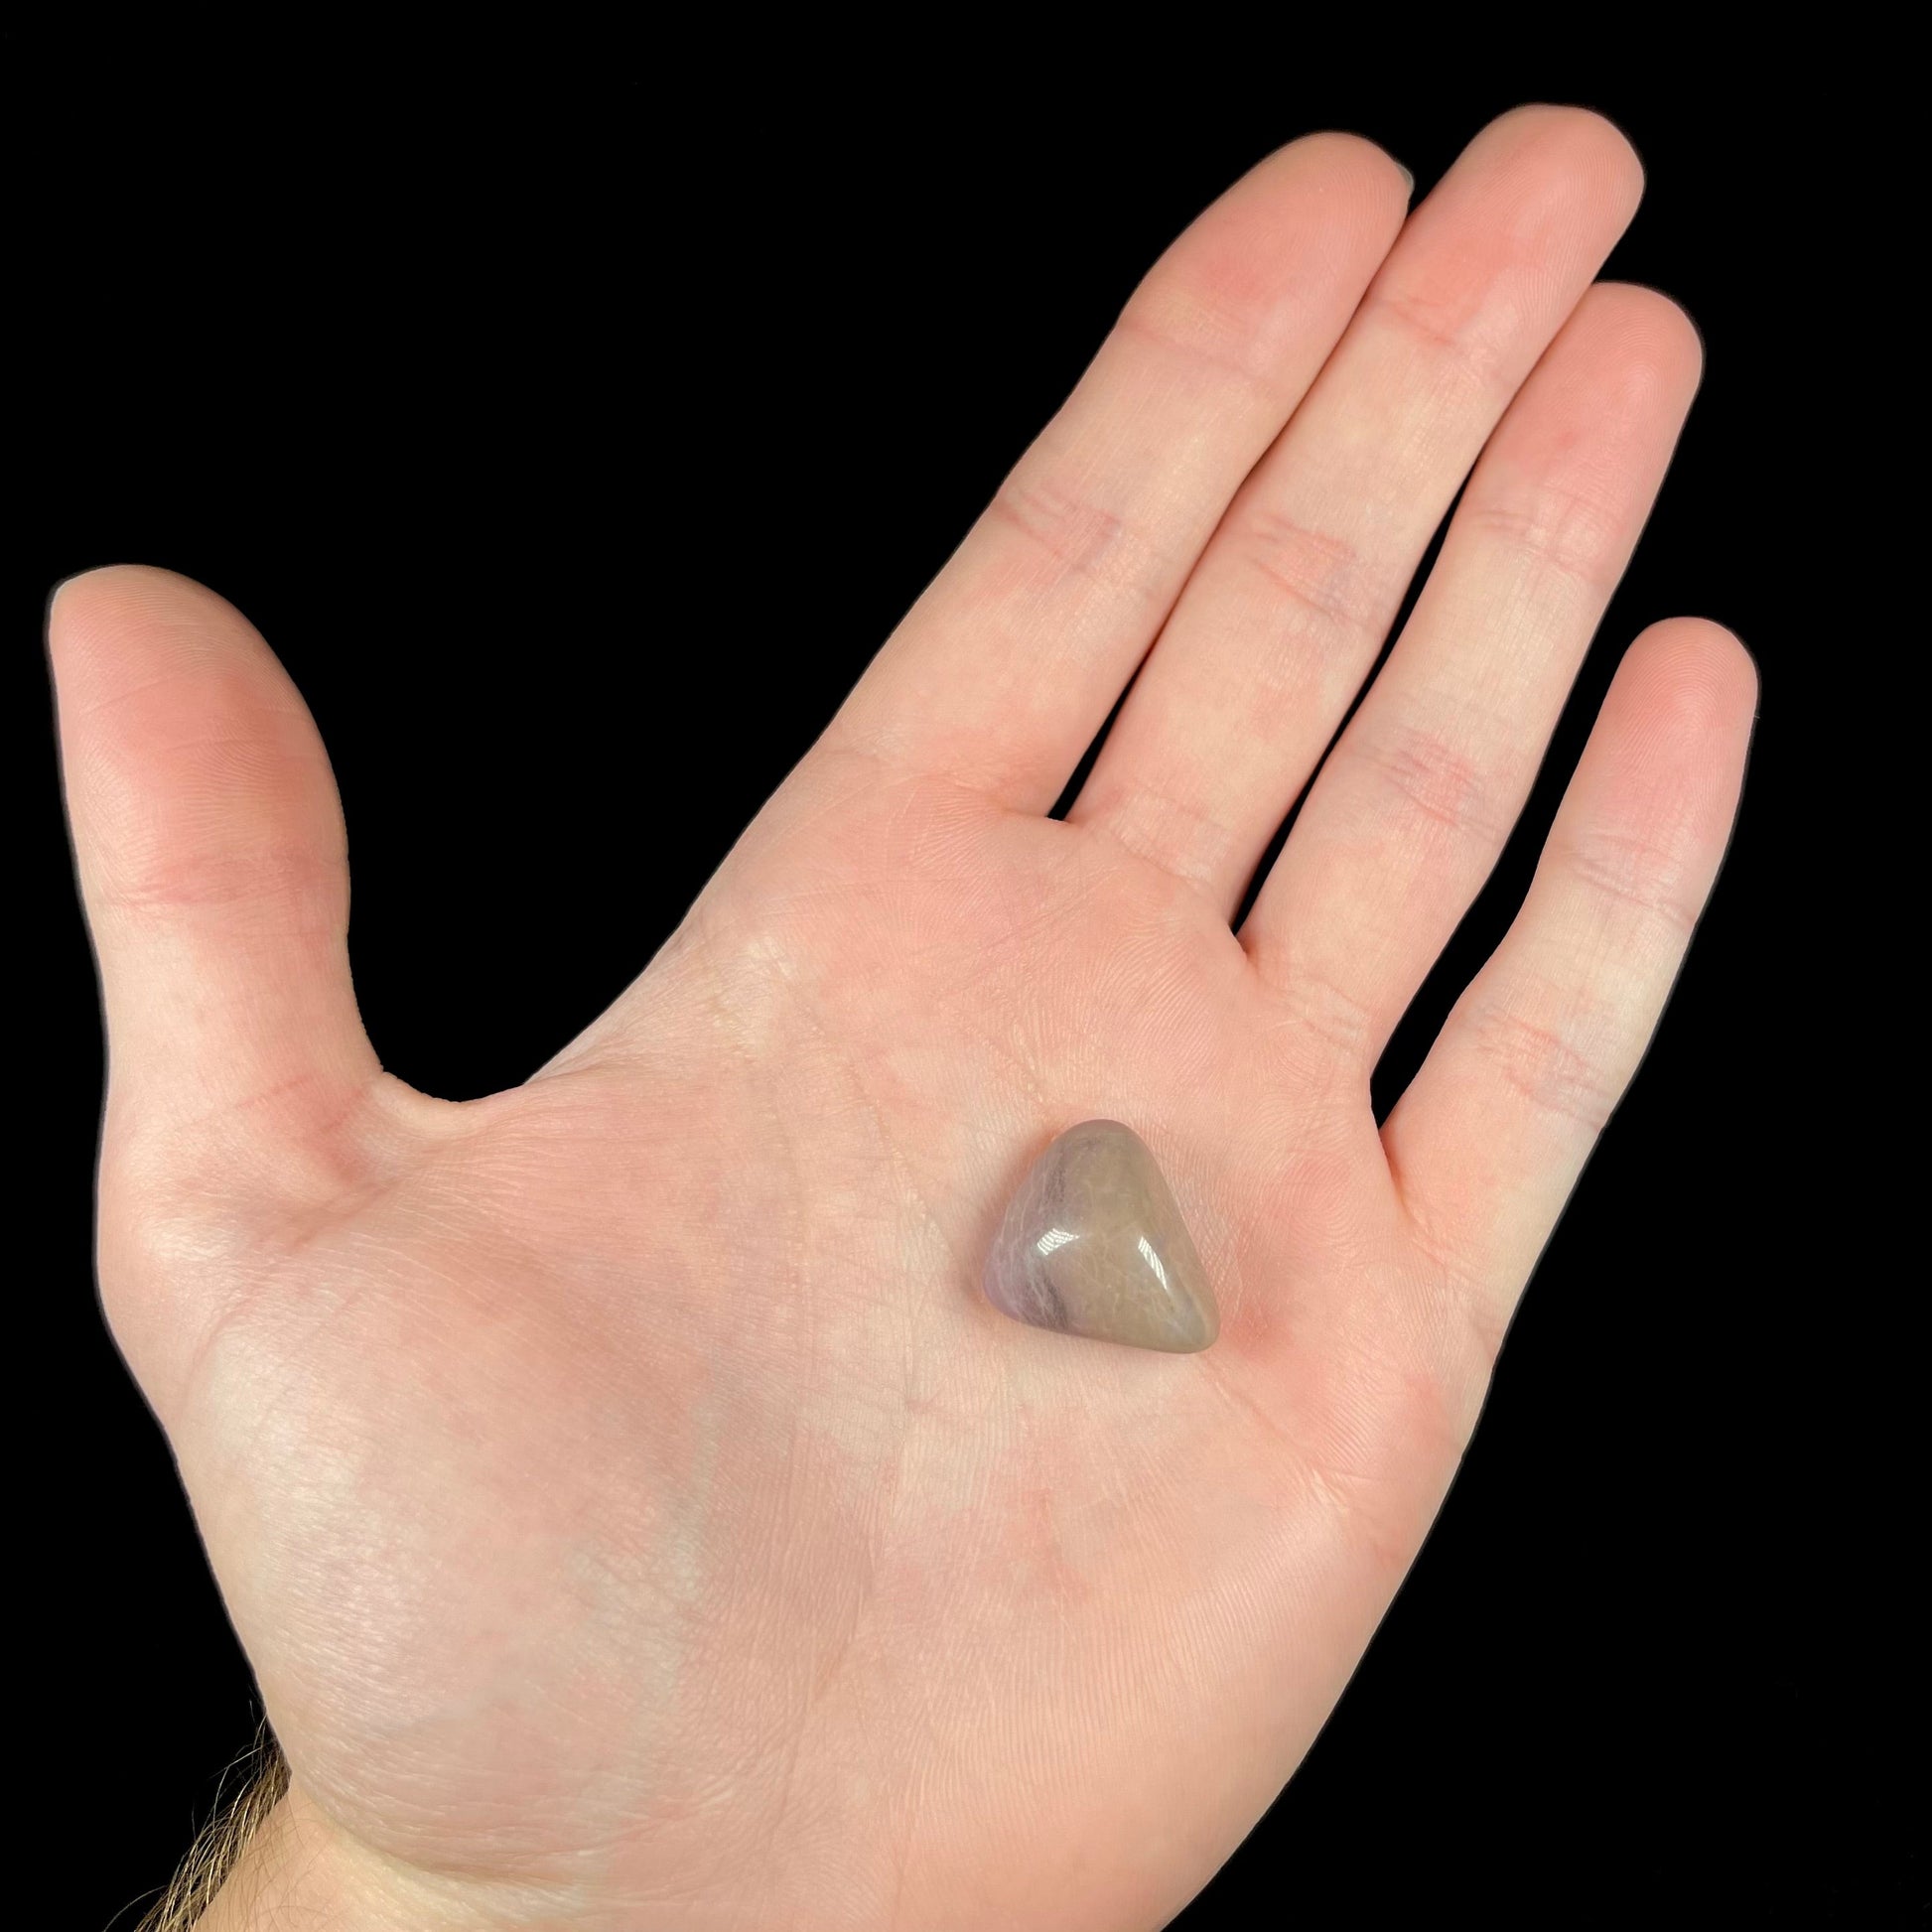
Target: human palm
(634, 1512)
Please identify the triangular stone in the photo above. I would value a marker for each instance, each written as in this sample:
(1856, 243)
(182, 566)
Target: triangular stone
(1095, 1245)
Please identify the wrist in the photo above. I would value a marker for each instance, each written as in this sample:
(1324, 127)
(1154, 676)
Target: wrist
(299, 1869)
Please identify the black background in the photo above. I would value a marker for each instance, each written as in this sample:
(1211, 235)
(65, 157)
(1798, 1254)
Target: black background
(575, 420)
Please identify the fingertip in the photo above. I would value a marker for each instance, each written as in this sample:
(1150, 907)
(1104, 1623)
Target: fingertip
(1655, 325)
(1734, 664)
(1617, 151)
(121, 625)
(1702, 655)
(69, 598)
(1357, 178)
(1635, 351)
(1577, 143)
(78, 590)
(1689, 691)
(1262, 275)
(122, 590)
(1358, 155)
(74, 604)
(1589, 127)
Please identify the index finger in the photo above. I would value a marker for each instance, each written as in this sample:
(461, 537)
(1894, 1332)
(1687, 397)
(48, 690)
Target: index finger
(1009, 665)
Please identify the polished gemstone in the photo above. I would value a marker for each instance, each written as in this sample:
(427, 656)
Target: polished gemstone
(1095, 1245)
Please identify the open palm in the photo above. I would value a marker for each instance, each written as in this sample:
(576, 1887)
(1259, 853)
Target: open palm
(634, 1512)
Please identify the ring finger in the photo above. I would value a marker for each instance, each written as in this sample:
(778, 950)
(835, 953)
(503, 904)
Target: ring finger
(1415, 801)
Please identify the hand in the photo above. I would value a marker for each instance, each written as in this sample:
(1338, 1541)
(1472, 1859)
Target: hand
(633, 1511)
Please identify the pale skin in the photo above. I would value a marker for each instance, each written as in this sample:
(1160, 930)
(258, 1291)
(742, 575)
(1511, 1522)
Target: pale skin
(633, 1512)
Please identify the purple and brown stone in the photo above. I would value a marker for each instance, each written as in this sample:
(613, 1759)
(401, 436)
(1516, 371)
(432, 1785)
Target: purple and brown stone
(1093, 1244)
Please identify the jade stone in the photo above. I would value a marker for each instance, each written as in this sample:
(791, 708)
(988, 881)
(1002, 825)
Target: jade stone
(1095, 1245)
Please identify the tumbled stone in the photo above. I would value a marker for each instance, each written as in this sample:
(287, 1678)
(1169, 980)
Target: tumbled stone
(1095, 1245)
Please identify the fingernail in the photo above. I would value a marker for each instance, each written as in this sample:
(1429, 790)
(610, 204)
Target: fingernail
(1408, 176)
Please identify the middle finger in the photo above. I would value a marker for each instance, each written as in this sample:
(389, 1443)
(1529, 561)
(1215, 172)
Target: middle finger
(1286, 609)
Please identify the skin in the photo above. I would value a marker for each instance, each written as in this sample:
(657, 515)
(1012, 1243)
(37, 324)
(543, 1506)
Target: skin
(633, 1513)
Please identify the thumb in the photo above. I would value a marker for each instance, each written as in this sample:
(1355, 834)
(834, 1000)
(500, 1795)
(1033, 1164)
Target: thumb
(213, 865)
